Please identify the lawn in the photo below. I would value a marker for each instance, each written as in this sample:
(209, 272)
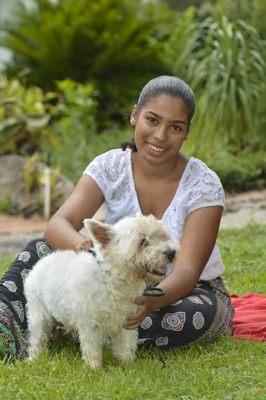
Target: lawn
(228, 369)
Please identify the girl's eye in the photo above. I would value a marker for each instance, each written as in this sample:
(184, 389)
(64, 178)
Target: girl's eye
(176, 128)
(152, 120)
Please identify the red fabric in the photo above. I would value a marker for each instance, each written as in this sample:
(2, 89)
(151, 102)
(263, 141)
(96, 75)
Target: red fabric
(250, 316)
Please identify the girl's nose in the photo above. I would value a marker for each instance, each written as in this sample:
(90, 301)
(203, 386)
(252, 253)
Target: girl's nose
(160, 133)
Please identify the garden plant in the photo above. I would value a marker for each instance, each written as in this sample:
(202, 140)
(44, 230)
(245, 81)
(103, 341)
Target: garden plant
(109, 50)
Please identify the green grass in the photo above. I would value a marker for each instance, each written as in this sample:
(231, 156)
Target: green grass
(244, 255)
(228, 369)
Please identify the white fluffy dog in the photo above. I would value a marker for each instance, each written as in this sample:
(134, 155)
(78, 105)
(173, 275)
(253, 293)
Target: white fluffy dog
(92, 292)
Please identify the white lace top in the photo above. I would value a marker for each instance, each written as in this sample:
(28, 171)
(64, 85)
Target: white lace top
(199, 187)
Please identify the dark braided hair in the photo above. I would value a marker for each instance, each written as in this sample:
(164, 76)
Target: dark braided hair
(171, 86)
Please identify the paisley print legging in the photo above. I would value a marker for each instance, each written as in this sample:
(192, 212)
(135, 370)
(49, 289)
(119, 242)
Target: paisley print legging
(203, 315)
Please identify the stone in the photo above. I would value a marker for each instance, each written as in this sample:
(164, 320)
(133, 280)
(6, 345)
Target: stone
(13, 193)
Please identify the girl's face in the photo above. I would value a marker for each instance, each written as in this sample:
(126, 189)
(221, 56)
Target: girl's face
(161, 127)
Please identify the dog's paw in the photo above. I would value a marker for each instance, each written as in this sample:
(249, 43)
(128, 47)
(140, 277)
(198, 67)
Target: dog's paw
(126, 358)
(96, 365)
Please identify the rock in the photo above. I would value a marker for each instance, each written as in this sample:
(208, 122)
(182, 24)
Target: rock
(13, 244)
(244, 208)
(254, 199)
(15, 198)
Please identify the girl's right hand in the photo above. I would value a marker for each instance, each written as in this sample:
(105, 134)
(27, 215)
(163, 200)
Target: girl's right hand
(83, 246)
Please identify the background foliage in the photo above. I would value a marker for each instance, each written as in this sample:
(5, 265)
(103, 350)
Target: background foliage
(25, 114)
(113, 44)
(83, 64)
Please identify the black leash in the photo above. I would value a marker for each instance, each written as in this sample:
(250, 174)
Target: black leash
(149, 288)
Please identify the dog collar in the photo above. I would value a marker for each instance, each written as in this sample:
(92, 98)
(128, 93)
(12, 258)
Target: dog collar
(92, 252)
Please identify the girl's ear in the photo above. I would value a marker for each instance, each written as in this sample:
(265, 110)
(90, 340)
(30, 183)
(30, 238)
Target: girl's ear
(133, 115)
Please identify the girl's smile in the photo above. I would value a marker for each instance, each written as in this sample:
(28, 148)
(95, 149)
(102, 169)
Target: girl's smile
(155, 150)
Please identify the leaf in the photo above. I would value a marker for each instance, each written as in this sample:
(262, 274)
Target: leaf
(37, 122)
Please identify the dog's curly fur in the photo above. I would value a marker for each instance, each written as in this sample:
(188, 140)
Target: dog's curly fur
(93, 294)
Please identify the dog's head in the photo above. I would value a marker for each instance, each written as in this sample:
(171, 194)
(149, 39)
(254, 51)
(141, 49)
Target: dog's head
(140, 244)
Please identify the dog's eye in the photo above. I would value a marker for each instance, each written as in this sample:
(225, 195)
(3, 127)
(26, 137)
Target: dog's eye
(144, 242)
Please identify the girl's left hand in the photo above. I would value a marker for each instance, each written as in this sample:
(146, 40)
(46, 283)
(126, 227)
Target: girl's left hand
(144, 308)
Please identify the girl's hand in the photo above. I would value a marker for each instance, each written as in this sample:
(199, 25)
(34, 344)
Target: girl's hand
(83, 246)
(144, 308)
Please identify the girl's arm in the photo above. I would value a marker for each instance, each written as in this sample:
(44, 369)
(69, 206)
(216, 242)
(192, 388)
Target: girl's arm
(62, 229)
(198, 239)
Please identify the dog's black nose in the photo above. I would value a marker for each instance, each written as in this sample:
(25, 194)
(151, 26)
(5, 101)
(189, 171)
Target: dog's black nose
(170, 254)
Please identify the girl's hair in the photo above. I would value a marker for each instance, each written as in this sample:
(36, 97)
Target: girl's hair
(171, 86)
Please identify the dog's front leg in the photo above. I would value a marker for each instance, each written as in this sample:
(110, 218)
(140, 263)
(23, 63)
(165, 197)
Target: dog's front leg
(124, 345)
(40, 325)
(91, 343)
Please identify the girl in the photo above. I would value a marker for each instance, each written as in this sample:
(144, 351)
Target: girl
(149, 175)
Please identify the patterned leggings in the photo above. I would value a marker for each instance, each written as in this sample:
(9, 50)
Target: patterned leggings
(205, 314)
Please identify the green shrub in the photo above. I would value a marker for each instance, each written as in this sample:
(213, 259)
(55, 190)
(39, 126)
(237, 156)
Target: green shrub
(252, 12)
(73, 139)
(69, 137)
(243, 172)
(112, 43)
(62, 122)
(74, 153)
(228, 80)
(25, 114)
(178, 52)
(223, 62)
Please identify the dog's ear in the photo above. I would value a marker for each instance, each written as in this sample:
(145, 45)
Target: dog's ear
(102, 233)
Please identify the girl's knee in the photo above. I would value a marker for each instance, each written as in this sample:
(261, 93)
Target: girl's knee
(193, 315)
(33, 251)
(180, 323)
(25, 261)
(38, 246)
